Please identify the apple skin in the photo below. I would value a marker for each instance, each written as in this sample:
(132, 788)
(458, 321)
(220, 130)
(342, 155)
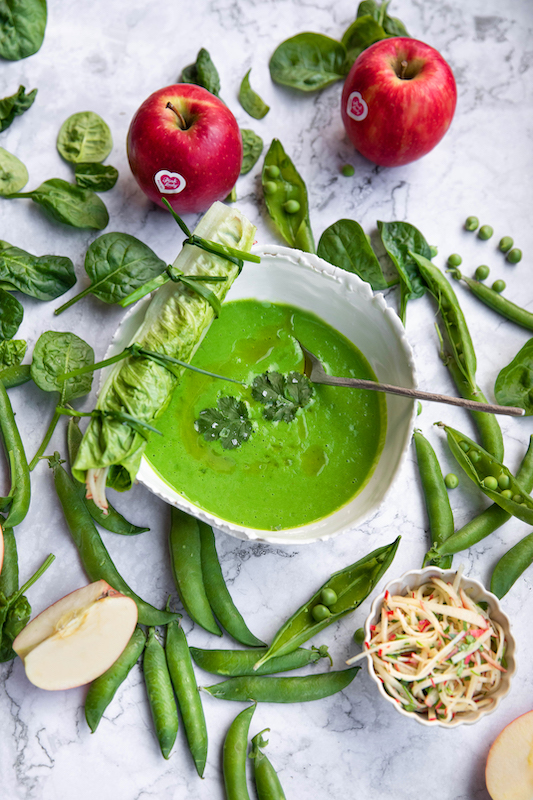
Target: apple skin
(390, 120)
(194, 167)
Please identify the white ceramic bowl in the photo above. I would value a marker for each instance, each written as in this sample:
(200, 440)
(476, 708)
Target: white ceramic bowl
(412, 580)
(346, 303)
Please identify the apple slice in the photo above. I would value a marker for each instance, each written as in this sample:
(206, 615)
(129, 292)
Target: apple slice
(75, 640)
(509, 771)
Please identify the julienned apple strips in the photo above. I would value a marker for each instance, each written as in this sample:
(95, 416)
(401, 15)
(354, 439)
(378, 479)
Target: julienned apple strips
(174, 324)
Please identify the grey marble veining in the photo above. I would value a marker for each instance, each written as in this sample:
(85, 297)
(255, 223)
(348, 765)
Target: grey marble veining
(108, 57)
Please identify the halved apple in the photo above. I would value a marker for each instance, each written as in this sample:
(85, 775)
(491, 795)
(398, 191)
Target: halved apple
(75, 640)
(509, 770)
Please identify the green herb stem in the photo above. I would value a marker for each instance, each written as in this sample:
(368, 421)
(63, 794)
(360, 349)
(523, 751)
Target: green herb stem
(44, 444)
(73, 300)
(35, 577)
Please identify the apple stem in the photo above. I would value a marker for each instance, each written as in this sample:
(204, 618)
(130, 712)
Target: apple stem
(181, 118)
(404, 66)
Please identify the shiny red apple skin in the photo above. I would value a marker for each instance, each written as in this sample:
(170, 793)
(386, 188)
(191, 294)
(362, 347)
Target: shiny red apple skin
(390, 120)
(199, 164)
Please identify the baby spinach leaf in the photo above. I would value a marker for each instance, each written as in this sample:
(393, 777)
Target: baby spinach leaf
(252, 146)
(399, 238)
(15, 105)
(308, 61)
(282, 395)
(345, 245)
(98, 177)
(363, 32)
(22, 26)
(42, 277)
(250, 100)
(13, 173)
(203, 73)
(117, 265)
(68, 203)
(228, 423)
(84, 137)
(379, 11)
(283, 191)
(514, 384)
(12, 351)
(11, 313)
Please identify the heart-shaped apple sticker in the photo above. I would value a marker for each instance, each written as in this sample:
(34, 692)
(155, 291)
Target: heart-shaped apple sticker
(169, 182)
(356, 108)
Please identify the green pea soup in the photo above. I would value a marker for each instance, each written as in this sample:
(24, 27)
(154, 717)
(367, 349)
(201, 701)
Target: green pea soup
(287, 474)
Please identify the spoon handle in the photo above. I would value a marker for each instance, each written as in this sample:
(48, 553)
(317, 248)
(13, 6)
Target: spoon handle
(472, 405)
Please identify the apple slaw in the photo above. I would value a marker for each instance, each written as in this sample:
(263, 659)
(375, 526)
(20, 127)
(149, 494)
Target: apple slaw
(436, 651)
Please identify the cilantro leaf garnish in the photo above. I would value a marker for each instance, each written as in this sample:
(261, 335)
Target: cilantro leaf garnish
(282, 395)
(228, 423)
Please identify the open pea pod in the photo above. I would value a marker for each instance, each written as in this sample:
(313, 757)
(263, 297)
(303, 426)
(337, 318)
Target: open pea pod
(350, 586)
(490, 475)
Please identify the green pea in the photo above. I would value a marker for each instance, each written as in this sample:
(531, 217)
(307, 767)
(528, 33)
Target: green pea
(419, 409)
(270, 187)
(507, 493)
(506, 243)
(320, 612)
(474, 456)
(514, 255)
(291, 206)
(485, 232)
(504, 481)
(490, 482)
(348, 170)
(482, 272)
(359, 636)
(498, 286)
(272, 171)
(451, 481)
(471, 223)
(455, 260)
(465, 447)
(517, 498)
(328, 596)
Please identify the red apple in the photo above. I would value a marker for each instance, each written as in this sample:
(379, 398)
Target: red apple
(398, 101)
(185, 145)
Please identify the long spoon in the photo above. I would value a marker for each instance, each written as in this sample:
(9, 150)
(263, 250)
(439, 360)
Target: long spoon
(314, 370)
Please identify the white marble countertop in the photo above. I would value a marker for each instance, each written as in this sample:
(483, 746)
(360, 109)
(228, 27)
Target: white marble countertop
(108, 56)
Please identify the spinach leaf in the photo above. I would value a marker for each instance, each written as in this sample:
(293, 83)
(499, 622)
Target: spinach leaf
(203, 73)
(228, 423)
(250, 100)
(514, 384)
(42, 277)
(308, 61)
(98, 177)
(22, 26)
(68, 203)
(11, 313)
(363, 32)
(84, 137)
(14, 106)
(11, 353)
(398, 239)
(285, 191)
(379, 12)
(252, 146)
(117, 265)
(345, 245)
(13, 173)
(282, 395)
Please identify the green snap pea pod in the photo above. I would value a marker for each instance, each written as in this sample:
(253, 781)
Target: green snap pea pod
(189, 701)
(351, 585)
(103, 689)
(511, 566)
(500, 304)
(186, 562)
(9, 574)
(491, 518)
(452, 317)
(486, 472)
(234, 755)
(160, 693)
(436, 498)
(286, 199)
(301, 689)
(15, 375)
(20, 474)
(217, 592)
(236, 663)
(112, 521)
(93, 553)
(267, 783)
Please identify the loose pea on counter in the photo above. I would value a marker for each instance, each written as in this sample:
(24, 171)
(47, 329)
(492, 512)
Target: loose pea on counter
(485, 232)
(472, 223)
